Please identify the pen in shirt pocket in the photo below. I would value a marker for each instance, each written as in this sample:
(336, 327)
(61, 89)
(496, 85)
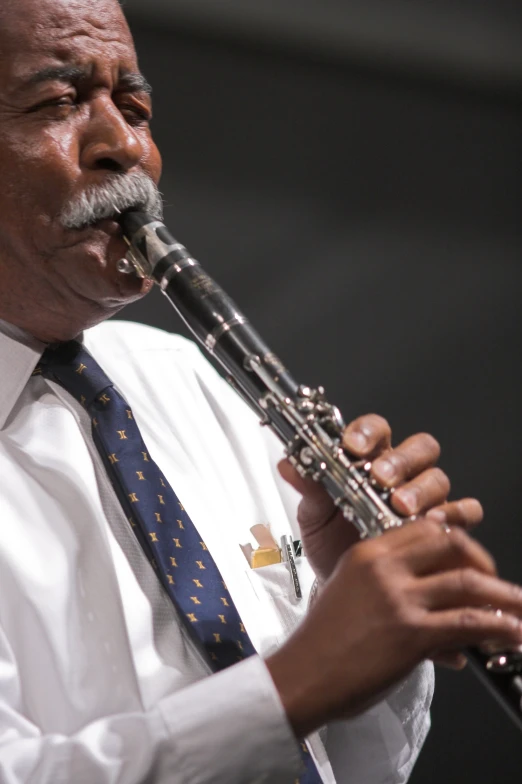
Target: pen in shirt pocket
(269, 553)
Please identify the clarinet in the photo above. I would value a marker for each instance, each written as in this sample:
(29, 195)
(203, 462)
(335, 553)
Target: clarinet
(309, 426)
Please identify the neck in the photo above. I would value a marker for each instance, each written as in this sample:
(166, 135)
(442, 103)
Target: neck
(51, 327)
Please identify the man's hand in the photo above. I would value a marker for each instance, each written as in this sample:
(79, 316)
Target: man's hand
(415, 593)
(422, 488)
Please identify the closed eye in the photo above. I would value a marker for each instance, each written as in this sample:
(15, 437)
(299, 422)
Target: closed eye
(58, 101)
(135, 113)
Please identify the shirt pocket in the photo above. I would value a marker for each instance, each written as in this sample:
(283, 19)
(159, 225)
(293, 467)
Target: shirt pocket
(274, 589)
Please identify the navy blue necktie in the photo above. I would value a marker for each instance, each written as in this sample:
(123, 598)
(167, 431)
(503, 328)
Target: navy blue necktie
(165, 531)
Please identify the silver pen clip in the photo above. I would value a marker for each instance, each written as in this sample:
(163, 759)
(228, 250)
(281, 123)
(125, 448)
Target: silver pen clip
(287, 548)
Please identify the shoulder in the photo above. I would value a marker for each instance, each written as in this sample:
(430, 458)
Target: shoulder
(128, 342)
(131, 338)
(135, 353)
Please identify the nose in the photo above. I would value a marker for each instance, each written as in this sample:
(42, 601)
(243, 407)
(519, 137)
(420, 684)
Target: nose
(109, 141)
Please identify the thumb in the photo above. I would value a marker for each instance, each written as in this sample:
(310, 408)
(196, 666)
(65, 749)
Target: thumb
(316, 506)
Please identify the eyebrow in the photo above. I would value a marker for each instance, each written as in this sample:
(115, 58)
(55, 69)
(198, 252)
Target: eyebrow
(131, 81)
(134, 83)
(57, 73)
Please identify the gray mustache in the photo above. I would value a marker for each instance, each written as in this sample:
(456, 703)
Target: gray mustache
(122, 192)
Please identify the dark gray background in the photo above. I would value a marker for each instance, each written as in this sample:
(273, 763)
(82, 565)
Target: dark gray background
(362, 205)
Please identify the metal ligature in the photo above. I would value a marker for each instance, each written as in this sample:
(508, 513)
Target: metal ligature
(309, 426)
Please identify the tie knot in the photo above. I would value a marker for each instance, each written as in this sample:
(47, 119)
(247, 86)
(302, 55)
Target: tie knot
(71, 366)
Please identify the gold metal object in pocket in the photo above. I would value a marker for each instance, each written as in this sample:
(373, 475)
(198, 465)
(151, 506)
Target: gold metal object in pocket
(265, 556)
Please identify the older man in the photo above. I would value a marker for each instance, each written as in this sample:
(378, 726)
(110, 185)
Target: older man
(112, 666)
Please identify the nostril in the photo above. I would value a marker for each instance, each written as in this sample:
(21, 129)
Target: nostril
(110, 164)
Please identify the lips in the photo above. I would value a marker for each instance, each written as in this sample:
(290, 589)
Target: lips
(106, 230)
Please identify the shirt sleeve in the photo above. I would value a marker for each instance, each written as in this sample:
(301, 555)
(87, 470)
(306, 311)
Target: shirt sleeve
(382, 745)
(229, 727)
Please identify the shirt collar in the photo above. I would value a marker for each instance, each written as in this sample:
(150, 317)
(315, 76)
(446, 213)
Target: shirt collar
(19, 355)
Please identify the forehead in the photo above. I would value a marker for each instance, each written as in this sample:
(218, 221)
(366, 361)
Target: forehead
(36, 33)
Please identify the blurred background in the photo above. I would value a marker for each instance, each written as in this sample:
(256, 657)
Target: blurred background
(350, 171)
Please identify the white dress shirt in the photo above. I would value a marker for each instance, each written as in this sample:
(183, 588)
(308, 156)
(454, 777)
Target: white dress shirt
(99, 683)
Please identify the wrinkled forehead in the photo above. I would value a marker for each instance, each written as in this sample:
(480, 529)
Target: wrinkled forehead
(35, 31)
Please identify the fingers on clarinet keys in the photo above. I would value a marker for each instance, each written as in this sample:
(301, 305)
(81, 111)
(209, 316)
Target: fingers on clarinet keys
(501, 660)
(385, 493)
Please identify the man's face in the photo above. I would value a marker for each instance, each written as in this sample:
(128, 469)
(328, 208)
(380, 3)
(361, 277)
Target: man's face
(74, 111)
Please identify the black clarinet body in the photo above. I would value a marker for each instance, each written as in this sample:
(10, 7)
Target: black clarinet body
(308, 425)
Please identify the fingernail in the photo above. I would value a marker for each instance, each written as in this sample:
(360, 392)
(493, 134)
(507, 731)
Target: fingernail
(471, 510)
(408, 499)
(356, 440)
(385, 469)
(438, 515)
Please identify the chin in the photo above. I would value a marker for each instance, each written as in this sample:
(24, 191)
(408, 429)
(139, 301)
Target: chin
(91, 302)
(90, 272)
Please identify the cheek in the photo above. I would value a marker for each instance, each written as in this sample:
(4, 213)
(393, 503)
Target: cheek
(152, 162)
(42, 170)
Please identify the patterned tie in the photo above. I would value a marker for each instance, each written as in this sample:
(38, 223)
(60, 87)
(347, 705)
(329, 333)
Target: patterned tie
(166, 533)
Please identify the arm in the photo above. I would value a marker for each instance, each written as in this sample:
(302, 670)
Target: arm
(381, 745)
(227, 728)
(328, 537)
(450, 602)
(417, 592)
